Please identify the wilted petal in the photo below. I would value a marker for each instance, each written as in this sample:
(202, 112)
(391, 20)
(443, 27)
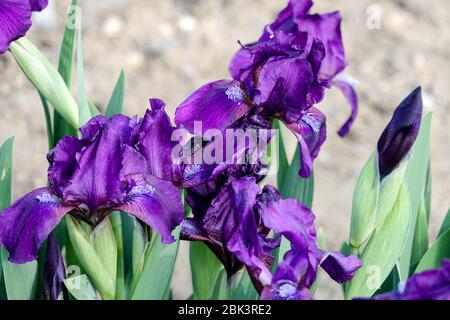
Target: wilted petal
(155, 202)
(311, 133)
(15, 20)
(339, 267)
(26, 224)
(350, 94)
(216, 105)
(54, 270)
(283, 84)
(400, 134)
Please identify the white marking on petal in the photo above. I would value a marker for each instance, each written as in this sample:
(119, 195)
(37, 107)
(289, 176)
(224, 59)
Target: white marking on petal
(311, 121)
(192, 170)
(48, 198)
(287, 290)
(143, 189)
(235, 93)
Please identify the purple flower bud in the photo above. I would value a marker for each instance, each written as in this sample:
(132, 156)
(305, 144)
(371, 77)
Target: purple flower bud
(400, 134)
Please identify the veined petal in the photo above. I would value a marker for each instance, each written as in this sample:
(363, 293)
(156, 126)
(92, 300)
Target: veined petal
(283, 86)
(311, 133)
(27, 223)
(15, 20)
(155, 202)
(215, 105)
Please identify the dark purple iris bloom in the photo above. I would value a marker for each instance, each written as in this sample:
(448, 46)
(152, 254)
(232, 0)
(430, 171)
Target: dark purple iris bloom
(239, 224)
(400, 134)
(428, 285)
(298, 270)
(90, 177)
(281, 76)
(15, 19)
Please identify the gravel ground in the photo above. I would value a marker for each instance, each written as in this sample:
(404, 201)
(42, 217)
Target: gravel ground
(169, 48)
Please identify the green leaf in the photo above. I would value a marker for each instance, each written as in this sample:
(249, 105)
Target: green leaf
(416, 177)
(383, 249)
(80, 287)
(365, 203)
(138, 249)
(245, 289)
(445, 225)
(205, 268)
(295, 187)
(321, 244)
(158, 269)
(20, 280)
(83, 101)
(90, 260)
(115, 105)
(61, 127)
(437, 252)
(116, 222)
(283, 163)
(420, 244)
(104, 241)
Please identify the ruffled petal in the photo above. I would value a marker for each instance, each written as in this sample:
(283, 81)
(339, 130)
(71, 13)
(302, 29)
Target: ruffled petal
(311, 133)
(283, 86)
(155, 202)
(15, 20)
(216, 105)
(27, 223)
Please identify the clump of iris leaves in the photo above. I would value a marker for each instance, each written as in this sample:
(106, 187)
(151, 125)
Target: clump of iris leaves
(389, 226)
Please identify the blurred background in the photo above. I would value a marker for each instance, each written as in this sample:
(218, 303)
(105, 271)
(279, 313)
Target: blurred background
(168, 48)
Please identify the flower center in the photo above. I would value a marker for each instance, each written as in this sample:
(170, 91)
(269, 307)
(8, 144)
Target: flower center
(287, 290)
(192, 170)
(48, 198)
(235, 93)
(141, 190)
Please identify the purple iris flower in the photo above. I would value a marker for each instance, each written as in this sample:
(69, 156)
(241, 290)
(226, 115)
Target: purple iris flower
(90, 177)
(400, 134)
(298, 270)
(428, 285)
(15, 19)
(239, 226)
(281, 76)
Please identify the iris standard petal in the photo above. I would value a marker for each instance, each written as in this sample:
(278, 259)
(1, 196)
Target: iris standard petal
(155, 202)
(215, 105)
(27, 223)
(15, 20)
(283, 87)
